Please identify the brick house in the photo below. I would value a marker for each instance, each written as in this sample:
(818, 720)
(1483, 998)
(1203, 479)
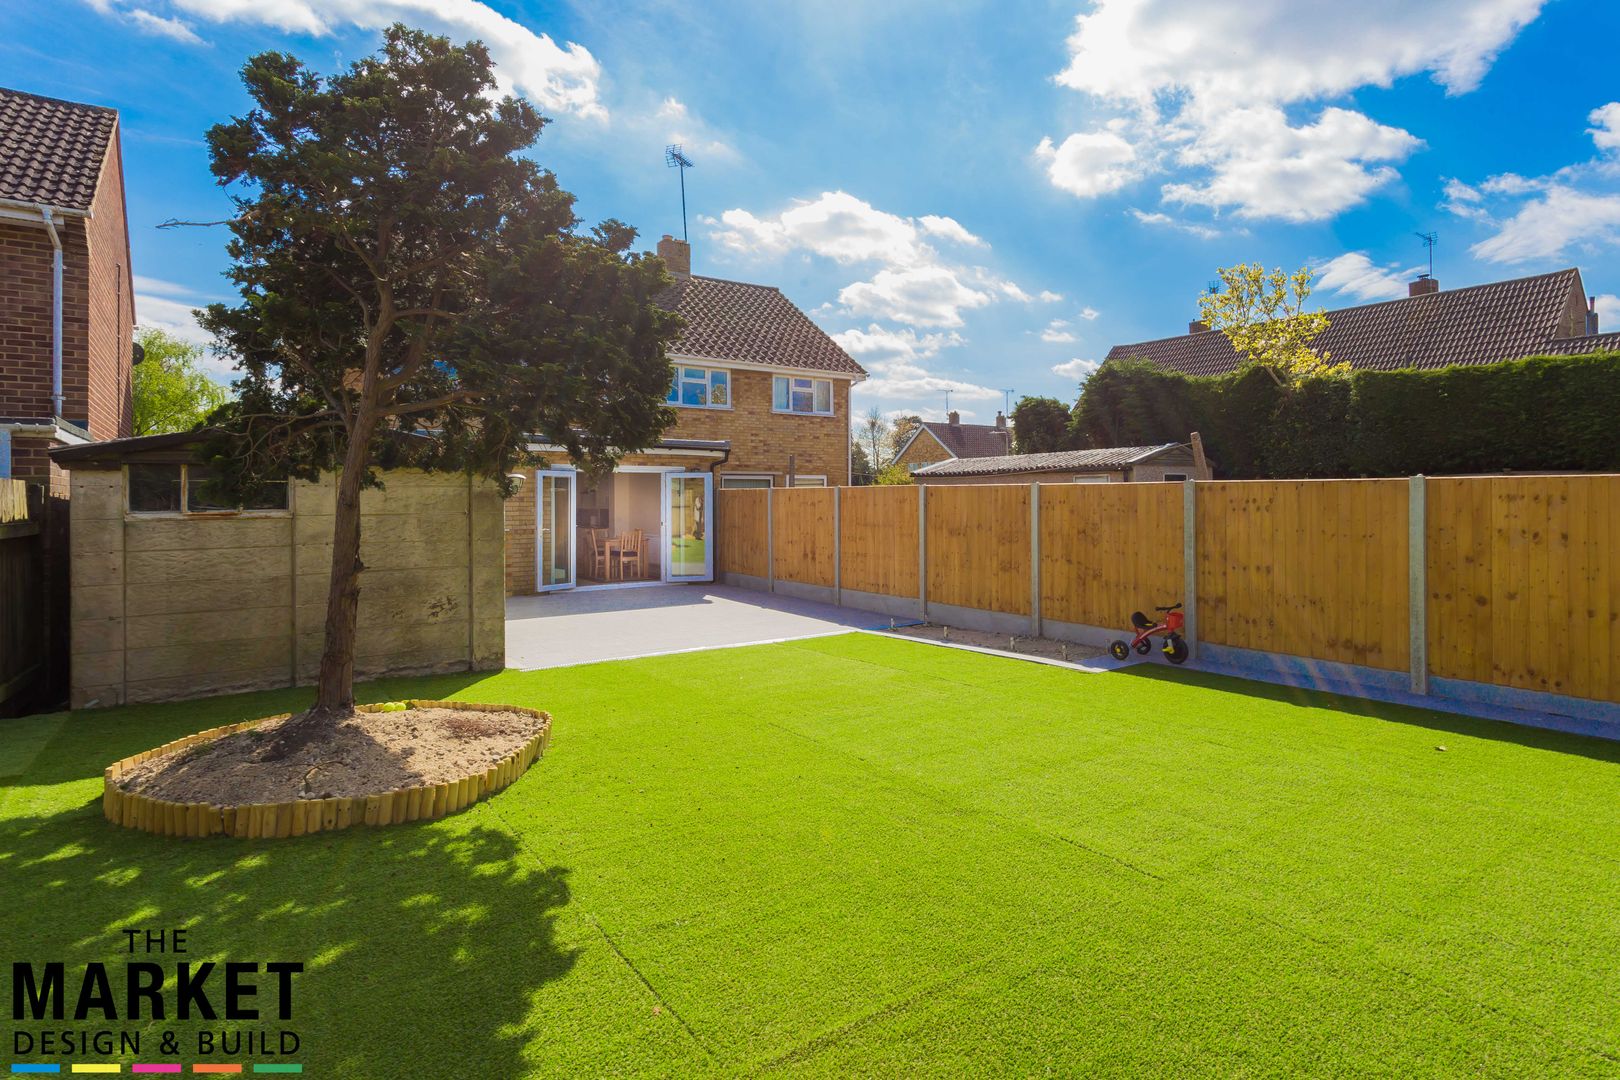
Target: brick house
(67, 318)
(67, 301)
(1548, 314)
(761, 399)
(932, 442)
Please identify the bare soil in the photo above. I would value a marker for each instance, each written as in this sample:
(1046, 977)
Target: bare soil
(368, 754)
(1029, 646)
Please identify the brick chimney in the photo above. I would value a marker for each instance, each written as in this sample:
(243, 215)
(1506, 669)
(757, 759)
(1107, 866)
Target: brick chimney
(1591, 315)
(677, 256)
(1001, 420)
(953, 418)
(1423, 286)
(1197, 327)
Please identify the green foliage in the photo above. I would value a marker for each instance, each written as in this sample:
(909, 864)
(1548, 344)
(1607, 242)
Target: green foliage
(900, 430)
(404, 267)
(1263, 315)
(860, 465)
(171, 391)
(1542, 413)
(1040, 425)
(894, 474)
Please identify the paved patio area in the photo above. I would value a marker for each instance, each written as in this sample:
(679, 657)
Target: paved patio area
(558, 629)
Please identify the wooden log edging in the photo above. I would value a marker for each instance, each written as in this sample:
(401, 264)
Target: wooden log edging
(301, 817)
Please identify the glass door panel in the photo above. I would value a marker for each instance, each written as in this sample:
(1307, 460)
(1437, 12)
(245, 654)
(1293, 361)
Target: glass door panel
(688, 533)
(554, 529)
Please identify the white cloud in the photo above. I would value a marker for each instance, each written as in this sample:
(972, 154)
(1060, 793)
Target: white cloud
(1057, 332)
(1558, 220)
(877, 345)
(1089, 313)
(1089, 163)
(1354, 274)
(175, 29)
(1605, 130)
(1163, 220)
(557, 78)
(672, 122)
(1169, 71)
(1047, 296)
(1077, 369)
(949, 229)
(915, 284)
(918, 295)
(167, 306)
(1266, 168)
(1608, 312)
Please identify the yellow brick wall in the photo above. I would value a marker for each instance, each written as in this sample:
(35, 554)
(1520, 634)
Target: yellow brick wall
(924, 450)
(762, 439)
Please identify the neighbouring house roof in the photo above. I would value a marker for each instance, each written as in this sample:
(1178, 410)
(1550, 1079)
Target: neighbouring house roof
(51, 151)
(1106, 459)
(968, 440)
(1578, 346)
(1481, 324)
(751, 324)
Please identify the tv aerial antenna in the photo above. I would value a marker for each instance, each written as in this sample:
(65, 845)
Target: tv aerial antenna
(1006, 400)
(676, 158)
(1429, 240)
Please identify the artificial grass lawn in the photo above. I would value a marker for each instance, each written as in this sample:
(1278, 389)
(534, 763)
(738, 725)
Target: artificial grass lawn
(867, 855)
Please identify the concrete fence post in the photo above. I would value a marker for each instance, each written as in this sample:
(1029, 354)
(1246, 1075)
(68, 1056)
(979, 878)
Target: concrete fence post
(1189, 564)
(770, 540)
(1417, 585)
(1035, 559)
(922, 549)
(838, 549)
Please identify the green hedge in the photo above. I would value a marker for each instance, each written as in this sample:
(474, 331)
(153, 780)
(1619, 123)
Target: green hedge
(1543, 413)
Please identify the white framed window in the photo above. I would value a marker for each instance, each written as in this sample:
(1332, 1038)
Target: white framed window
(1091, 478)
(180, 489)
(741, 480)
(700, 388)
(811, 397)
(809, 481)
(1171, 476)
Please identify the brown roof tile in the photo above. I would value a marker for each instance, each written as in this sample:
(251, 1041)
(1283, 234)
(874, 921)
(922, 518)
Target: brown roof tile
(1105, 458)
(1579, 346)
(971, 440)
(51, 151)
(753, 324)
(1482, 324)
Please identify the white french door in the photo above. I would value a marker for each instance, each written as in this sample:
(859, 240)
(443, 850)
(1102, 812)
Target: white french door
(688, 512)
(554, 529)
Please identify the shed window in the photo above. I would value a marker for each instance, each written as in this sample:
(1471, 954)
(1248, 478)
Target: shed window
(191, 489)
(1175, 476)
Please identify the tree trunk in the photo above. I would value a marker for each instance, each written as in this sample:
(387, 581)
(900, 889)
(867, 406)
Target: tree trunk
(334, 688)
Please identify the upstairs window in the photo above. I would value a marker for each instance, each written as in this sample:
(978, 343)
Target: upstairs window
(700, 388)
(813, 397)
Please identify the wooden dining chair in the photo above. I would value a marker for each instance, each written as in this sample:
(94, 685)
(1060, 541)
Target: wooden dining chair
(597, 545)
(632, 551)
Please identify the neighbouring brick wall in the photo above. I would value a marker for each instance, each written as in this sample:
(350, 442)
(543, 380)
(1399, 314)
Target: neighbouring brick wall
(761, 439)
(110, 314)
(173, 607)
(924, 450)
(521, 555)
(25, 322)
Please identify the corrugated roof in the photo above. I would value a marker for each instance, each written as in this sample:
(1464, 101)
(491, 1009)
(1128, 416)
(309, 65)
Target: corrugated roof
(51, 151)
(1481, 324)
(754, 324)
(1106, 458)
(971, 440)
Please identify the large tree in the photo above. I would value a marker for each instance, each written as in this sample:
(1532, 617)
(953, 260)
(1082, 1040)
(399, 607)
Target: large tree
(171, 391)
(416, 292)
(1040, 425)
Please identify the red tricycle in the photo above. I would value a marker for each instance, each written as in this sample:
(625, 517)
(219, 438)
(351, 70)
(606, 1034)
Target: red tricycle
(1175, 646)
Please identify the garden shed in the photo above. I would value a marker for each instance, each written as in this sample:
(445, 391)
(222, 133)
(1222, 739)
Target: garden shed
(175, 595)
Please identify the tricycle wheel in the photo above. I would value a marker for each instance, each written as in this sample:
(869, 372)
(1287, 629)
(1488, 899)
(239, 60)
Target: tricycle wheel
(1144, 646)
(1119, 650)
(1175, 648)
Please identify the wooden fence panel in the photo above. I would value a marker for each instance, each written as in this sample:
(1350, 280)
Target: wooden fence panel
(978, 547)
(1309, 568)
(1523, 587)
(878, 539)
(742, 527)
(803, 528)
(1110, 549)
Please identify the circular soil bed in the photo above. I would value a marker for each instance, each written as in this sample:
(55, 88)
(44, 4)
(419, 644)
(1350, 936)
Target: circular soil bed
(388, 764)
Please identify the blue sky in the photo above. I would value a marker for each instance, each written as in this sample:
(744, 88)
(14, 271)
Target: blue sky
(973, 197)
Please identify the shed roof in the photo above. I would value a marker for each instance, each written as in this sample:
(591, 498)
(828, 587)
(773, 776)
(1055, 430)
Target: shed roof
(1105, 459)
